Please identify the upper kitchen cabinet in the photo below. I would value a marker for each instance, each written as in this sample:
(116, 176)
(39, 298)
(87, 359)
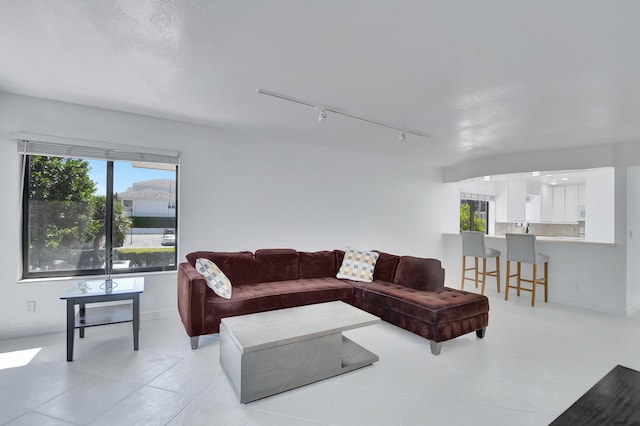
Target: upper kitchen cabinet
(546, 203)
(558, 207)
(582, 195)
(510, 201)
(559, 203)
(571, 203)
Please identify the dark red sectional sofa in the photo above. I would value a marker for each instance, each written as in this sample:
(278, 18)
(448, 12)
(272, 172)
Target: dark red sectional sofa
(406, 291)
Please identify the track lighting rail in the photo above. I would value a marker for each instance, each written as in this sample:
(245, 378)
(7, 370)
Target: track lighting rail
(323, 114)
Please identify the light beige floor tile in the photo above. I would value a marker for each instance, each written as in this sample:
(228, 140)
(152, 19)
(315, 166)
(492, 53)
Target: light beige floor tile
(86, 401)
(205, 412)
(24, 388)
(262, 418)
(37, 419)
(188, 378)
(146, 406)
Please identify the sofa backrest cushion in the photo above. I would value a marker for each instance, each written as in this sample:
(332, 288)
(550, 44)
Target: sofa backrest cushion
(386, 267)
(277, 265)
(318, 264)
(240, 267)
(419, 273)
(244, 267)
(339, 256)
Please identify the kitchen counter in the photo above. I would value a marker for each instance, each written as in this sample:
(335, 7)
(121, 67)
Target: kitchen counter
(543, 238)
(584, 274)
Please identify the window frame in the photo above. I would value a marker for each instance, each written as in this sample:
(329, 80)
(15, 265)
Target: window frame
(28, 152)
(471, 202)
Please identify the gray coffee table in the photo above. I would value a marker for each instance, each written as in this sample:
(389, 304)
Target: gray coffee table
(271, 352)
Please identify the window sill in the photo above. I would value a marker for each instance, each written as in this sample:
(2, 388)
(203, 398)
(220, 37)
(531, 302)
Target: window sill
(92, 277)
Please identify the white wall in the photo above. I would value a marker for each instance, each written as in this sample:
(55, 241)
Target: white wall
(633, 239)
(600, 202)
(158, 208)
(237, 192)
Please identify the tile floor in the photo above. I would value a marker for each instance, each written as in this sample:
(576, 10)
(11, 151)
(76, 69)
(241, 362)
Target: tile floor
(532, 364)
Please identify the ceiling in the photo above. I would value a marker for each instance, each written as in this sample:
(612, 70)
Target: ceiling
(482, 78)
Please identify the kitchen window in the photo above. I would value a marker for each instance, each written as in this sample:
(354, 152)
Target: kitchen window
(474, 215)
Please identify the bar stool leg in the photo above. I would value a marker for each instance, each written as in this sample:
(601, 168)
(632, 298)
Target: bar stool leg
(464, 270)
(519, 276)
(546, 281)
(484, 273)
(533, 289)
(506, 289)
(477, 280)
(498, 272)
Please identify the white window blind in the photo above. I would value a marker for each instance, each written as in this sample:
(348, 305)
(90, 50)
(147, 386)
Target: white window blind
(31, 144)
(480, 197)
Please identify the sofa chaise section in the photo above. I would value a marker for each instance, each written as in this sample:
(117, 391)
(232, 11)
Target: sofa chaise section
(438, 315)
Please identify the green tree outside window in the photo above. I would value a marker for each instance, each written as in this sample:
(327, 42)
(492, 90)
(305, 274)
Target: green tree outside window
(479, 224)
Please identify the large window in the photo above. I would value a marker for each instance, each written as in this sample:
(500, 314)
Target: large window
(88, 216)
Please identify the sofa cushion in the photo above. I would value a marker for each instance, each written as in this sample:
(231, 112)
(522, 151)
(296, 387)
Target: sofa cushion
(277, 265)
(279, 294)
(240, 267)
(386, 267)
(433, 307)
(358, 265)
(317, 264)
(216, 279)
(339, 254)
(418, 273)
(435, 332)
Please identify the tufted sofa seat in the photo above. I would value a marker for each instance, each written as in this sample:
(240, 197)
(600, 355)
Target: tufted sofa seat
(406, 291)
(260, 297)
(438, 315)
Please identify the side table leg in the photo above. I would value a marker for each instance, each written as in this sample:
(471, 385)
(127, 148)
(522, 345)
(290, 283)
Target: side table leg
(136, 320)
(82, 316)
(70, 328)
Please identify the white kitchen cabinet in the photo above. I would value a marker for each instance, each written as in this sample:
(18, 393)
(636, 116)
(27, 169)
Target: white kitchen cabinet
(533, 207)
(558, 203)
(571, 195)
(546, 203)
(510, 201)
(582, 195)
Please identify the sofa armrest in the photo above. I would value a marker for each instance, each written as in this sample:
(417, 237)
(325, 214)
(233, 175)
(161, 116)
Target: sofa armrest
(192, 290)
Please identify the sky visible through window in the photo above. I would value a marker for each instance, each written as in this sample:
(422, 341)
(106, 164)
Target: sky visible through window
(124, 175)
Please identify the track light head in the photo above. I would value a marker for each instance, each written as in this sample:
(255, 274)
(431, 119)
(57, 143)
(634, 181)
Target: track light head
(322, 116)
(402, 136)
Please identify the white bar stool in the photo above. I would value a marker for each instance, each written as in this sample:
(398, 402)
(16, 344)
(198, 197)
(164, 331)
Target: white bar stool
(522, 248)
(473, 246)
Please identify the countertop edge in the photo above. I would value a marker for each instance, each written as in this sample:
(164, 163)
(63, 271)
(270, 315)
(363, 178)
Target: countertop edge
(543, 239)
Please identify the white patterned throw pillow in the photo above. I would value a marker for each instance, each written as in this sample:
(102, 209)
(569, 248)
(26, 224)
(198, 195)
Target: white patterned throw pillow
(216, 279)
(358, 265)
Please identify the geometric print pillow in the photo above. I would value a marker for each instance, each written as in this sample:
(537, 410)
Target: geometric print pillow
(358, 265)
(216, 279)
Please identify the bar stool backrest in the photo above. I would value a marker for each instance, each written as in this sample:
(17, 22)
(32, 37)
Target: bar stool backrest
(521, 248)
(473, 244)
